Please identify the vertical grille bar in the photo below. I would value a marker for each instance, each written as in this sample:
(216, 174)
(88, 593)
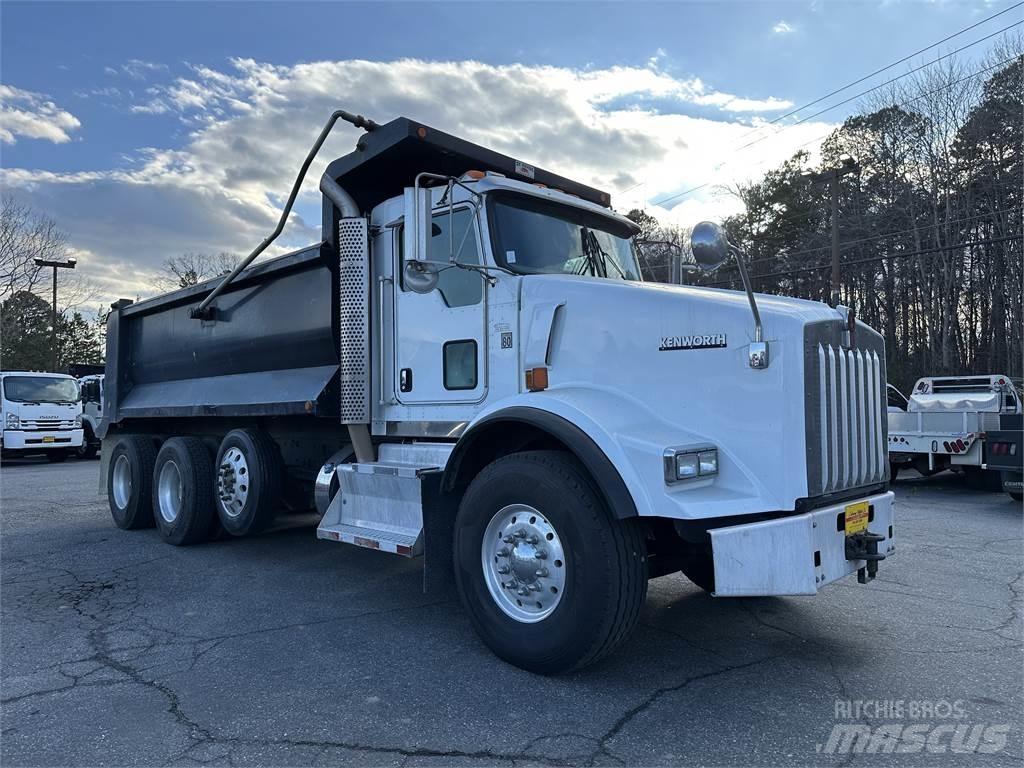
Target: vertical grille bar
(823, 397)
(834, 413)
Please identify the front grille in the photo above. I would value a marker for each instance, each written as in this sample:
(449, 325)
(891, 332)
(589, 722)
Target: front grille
(32, 425)
(845, 403)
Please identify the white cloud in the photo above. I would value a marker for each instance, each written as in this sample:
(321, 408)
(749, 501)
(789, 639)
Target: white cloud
(251, 126)
(33, 116)
(136, 69)
(783, 28)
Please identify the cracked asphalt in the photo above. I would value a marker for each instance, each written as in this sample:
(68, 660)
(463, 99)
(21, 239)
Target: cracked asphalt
(283, 650)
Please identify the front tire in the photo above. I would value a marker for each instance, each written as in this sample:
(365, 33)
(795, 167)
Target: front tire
(183, 491)
(248, 482)
(550, 579)
(130, 482)
(89, 446)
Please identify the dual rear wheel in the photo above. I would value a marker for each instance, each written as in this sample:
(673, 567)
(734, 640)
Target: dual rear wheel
(190, 494)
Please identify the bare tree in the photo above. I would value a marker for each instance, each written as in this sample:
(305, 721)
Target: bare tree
(25, 235)
(193, 268)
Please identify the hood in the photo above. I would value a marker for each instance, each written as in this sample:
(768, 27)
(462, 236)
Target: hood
(680, 354)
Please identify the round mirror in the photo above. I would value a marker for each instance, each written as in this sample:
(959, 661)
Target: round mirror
(710, 246)
(420, 277)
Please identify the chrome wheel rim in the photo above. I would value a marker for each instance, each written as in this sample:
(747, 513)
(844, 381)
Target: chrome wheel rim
(233, 482)
(121, 482)
(170, 491)
(524, 563)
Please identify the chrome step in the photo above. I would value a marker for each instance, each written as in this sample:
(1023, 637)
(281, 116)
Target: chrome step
(379, 505)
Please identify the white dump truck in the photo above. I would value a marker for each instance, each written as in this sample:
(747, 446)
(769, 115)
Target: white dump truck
(469, 369)
(42, 414)
(945, 425)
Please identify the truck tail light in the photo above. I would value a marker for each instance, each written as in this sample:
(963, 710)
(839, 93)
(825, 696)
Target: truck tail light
(960, 445)
(947, 447)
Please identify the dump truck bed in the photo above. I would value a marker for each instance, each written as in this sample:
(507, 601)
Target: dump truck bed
(270, 351)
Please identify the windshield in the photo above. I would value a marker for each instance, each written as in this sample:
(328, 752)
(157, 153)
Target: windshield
(40, 389)
(533, 236)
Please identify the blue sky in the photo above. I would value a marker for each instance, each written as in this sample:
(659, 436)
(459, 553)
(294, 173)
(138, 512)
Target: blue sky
(203, 110)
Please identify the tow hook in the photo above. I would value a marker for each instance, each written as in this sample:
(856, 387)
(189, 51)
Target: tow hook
(864, 546)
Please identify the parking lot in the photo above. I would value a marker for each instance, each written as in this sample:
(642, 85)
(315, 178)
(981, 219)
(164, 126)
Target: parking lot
(118, 649)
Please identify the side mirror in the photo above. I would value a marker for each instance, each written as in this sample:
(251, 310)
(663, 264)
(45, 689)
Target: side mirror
(710, 246)
(420, 276)
(418, 222)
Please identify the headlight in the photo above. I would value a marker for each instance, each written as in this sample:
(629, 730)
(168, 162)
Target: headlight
(690, 463)
(13, 422)
(78, 421)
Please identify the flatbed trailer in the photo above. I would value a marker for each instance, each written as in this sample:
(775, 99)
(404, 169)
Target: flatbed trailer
(946, 424)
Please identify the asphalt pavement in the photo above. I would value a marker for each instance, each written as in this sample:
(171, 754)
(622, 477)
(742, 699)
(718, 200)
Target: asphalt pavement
(283, 650)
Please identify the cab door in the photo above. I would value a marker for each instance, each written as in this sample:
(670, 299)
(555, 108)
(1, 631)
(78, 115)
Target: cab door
(440, 355)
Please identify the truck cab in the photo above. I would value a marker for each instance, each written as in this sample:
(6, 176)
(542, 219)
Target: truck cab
(91, 387)
(41, 414)
(470, 369)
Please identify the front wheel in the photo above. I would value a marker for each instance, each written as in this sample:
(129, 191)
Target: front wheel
(89, 446)
(550, 579)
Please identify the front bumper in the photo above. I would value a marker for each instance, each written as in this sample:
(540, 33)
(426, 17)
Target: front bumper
(794, 555)
(41, 440)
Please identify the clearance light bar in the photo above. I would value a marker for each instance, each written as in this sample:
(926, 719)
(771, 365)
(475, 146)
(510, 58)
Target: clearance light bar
(690, 463)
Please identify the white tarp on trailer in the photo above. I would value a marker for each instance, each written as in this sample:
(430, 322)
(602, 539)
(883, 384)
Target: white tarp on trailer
(947, 402)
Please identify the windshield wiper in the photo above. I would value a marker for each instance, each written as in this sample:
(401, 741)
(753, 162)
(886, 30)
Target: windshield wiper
(596, 255)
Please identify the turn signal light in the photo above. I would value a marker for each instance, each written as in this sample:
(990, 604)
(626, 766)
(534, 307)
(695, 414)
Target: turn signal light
(537, 379)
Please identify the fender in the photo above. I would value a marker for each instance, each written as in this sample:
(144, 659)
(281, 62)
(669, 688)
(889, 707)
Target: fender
(596, 462)
(620, 440)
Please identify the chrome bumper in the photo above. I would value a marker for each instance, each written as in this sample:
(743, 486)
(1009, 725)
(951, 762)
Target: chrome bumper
(793, 555)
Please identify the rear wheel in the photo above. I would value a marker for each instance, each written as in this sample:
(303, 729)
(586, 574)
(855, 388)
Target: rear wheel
(183, 491)
(550, 579)
(130, 481)
(56, 455)
(249, 481)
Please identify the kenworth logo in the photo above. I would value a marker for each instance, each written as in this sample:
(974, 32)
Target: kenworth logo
(708, 341)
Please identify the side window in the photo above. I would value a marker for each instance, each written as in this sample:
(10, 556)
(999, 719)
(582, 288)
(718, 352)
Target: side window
(458, 287)
(460, 364)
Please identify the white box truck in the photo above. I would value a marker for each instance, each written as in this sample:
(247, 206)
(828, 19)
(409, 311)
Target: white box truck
(42, 414)
(469, 369)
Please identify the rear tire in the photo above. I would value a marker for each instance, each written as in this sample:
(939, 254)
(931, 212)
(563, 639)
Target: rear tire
(248, 482)
(183, 491)
(130, 482)
(56, 455)
(545, 498)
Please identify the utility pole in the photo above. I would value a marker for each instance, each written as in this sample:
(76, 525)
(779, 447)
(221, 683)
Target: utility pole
(69, 264)
(832, 176)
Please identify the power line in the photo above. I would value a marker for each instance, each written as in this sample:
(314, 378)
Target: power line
(883, 69)
(873, 259)
(950, 84)
(881, 85)
(848, 243)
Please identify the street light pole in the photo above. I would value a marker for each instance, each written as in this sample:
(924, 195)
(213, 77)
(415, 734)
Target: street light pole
(69, 264)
